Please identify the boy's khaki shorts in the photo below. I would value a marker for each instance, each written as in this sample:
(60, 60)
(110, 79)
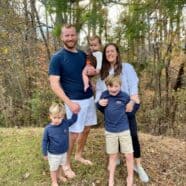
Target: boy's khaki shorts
(113, 140)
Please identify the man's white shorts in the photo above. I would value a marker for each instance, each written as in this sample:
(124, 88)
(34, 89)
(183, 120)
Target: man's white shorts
(55, 160)
(86, 116)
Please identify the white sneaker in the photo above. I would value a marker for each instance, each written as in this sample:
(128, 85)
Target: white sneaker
(135, 169)
(142, 174)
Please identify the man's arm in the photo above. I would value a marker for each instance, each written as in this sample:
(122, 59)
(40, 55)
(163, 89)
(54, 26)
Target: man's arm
(56, 87)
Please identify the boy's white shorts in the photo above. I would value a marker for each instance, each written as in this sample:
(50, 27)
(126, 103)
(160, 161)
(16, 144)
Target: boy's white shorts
(55, 160)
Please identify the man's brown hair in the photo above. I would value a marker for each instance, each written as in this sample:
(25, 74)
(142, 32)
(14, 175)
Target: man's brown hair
(66, 25)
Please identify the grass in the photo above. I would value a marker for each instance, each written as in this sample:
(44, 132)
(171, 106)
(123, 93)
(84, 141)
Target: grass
(20, 157)
(22, 163)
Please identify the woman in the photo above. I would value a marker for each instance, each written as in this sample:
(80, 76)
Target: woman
(112, 65)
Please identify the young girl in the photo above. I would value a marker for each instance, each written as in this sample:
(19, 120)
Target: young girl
(94, 58)
(112, 103)
(55, 141)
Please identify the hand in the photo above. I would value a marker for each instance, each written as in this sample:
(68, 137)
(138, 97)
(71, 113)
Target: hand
(103, 102)
(74, 107)
(129, 106)
(135, 98)
(91, 71)
(45, 157)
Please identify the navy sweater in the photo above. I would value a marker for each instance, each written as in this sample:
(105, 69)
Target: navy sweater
(56, 137)
(115, 117)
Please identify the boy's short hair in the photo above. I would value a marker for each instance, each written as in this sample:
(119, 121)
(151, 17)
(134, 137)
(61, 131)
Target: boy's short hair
(57, 108)
(92, 38)
(111, 79)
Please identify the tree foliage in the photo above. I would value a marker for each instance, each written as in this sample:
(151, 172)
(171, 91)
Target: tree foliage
(151, 35)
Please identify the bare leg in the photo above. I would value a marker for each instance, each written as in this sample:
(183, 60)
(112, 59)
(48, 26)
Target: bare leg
(67, 168)
(130, 166)
(61, 174)
(53, 175)
(112, 167)
(81, 141)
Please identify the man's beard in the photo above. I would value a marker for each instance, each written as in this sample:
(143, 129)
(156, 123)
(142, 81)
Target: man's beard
(70, 46)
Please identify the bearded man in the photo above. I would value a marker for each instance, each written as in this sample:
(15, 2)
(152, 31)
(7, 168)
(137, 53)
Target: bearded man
(65, 76)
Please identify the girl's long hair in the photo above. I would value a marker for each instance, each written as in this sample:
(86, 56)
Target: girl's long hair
(106, 64)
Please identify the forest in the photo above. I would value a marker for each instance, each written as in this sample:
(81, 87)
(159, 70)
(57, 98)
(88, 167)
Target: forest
(151, 35)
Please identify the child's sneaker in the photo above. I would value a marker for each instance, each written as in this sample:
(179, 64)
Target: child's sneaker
(142, 174)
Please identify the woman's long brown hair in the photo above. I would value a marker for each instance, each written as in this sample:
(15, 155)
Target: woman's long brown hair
(106, 64)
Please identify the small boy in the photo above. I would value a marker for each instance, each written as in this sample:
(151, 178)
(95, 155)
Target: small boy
(94, 59)
(112, 103)
(55, 141)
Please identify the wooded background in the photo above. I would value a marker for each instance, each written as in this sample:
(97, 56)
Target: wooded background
(151, 35)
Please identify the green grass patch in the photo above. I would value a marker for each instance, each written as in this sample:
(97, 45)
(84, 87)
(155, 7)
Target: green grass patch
(20, 158)
(22, 163)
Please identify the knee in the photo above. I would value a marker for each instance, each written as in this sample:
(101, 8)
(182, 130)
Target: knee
(86, 130)
(129, 157)
(112, 159)
(73, 136)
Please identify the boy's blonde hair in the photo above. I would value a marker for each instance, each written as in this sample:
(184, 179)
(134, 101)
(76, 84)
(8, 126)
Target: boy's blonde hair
(57, 108)
(111, 79)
